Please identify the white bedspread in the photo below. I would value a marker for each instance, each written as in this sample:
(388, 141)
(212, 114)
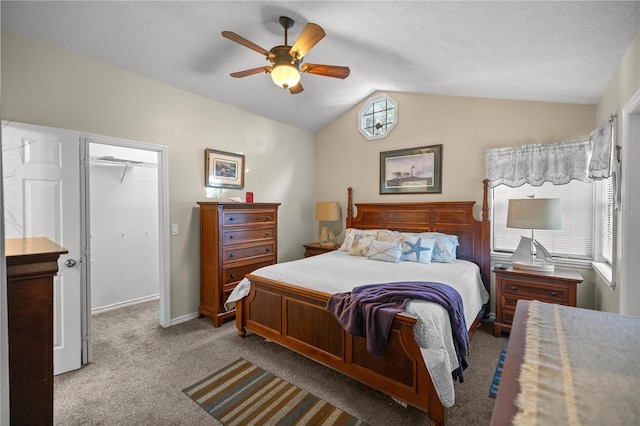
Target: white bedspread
(338, 272)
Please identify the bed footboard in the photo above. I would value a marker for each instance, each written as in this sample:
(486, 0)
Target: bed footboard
(297, 318)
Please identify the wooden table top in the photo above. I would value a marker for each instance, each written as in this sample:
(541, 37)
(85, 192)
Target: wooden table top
(17, 247)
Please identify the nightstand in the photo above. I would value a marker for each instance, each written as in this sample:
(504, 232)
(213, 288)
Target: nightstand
(512, 285)
(313, 249)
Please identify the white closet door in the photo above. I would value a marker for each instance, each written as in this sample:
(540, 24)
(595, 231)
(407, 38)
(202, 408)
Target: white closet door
(41, 170)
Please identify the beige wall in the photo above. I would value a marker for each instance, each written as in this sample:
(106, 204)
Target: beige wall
(466, 127)
(623, 85)
(50, 87)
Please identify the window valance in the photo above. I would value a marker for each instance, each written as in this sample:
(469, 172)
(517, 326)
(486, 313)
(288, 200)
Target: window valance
(604, 160)
(558, 163)
(536, 164)
(603, 155)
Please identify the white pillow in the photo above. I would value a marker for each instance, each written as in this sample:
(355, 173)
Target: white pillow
(385, 251)
(360, 245)
(350, 233)
(417, 249)
(389, 236)
(444, 250)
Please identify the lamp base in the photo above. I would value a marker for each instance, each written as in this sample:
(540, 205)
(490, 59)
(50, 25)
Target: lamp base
(327, 238)
(535, 266)
(328, 244)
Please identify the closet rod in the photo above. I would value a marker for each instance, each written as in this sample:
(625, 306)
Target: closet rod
(108, 159)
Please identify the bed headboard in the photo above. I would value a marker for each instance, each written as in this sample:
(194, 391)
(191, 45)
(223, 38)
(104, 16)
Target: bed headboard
(449, 217)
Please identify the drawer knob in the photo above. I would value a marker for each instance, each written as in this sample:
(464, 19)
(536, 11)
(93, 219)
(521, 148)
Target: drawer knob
(267, 250)
(554, 293)
(267, 218)
(231, 237)
(514, 288)
(231, 254)
(230, 219)
(231, 276)
(266, 234)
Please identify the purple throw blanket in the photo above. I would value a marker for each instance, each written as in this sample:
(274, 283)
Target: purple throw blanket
(368, 311)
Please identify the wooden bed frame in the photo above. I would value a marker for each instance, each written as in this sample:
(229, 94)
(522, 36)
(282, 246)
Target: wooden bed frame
(297, 318)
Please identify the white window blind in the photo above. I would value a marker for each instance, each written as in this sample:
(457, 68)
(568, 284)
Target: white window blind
(607, 219)
(574, 240)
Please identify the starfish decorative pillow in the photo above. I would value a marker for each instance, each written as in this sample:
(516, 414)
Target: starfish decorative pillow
(417, 249)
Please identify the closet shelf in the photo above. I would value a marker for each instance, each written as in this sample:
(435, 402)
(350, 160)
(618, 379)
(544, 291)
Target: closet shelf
(108, 159)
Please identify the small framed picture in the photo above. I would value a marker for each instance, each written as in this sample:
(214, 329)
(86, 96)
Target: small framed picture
(411, 170)
(223, 169)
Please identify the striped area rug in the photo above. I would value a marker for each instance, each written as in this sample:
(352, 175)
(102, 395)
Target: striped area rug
(493, 389)
(243, 394)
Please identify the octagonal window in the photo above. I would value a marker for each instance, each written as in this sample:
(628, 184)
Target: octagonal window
(377, 117)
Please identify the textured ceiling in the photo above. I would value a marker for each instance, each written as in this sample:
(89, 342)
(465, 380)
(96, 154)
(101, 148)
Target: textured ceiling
(547, 51)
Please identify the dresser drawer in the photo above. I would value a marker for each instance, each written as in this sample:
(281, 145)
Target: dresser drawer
(248, 217)
(543, 292)
(231, 275)
(507, 315)
(240, 236)
(236, 253)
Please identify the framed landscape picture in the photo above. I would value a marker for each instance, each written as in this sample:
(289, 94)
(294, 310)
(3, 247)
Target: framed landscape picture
(223, 169)
(411, 170)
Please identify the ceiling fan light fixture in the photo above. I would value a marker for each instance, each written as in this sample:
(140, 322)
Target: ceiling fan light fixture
(285, 75)
(286, 60)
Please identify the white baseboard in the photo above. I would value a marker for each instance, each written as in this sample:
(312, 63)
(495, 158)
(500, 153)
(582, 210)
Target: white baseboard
(123, 304)
(174, 321)
(184, 318)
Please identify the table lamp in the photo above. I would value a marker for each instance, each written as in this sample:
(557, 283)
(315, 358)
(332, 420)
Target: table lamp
(327, 211)
(533, 213)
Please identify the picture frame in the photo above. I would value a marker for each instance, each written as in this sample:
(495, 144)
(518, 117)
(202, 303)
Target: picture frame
(223, 169)
(411, 170)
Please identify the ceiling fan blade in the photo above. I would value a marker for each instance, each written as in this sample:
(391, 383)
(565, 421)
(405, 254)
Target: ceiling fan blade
(296, 89)
(326, 70)
(309, 37)
(246, 43)
(252, 71)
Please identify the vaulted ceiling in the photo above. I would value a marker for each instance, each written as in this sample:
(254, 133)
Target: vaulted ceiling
(546, 51)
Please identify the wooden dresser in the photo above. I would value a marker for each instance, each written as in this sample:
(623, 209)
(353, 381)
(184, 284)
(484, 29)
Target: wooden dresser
(512, 285)
(31, 266)
(235, 240)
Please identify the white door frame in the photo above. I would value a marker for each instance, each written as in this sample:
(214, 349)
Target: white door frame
(4, 330)
(164, 311)
(630, 209)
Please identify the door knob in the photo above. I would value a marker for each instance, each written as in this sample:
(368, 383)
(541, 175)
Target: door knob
(70, 263)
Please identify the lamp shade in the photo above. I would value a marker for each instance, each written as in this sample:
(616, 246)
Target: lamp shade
(534, 213)
(328, 211)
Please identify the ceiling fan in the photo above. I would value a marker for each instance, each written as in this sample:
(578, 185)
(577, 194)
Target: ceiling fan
(286, 61)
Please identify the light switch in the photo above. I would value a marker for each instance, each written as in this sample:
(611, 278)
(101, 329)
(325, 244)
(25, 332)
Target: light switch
(174, 229)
